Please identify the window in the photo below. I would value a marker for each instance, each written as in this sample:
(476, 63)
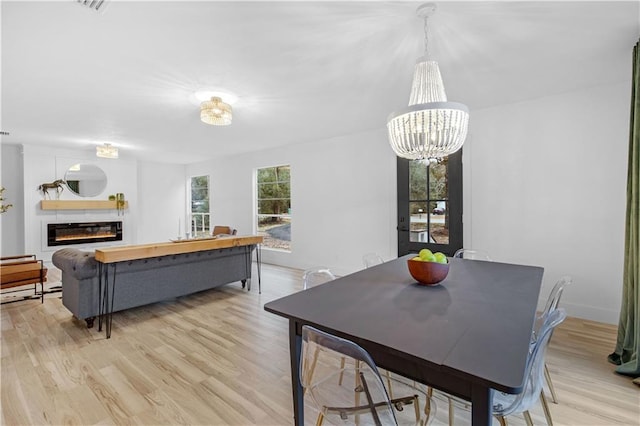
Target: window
(273, 206)
(430, 205)
(200, 213)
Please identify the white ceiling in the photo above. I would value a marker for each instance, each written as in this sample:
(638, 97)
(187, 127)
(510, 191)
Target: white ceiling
(303, 71)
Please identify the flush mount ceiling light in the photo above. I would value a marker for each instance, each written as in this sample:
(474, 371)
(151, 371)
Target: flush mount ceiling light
(215, 112)
(106, 151)
(430, 128)
(206, 94)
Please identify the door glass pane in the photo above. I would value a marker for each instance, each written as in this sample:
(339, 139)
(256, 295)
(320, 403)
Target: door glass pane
(438, 220)
(417, 180)
(419, 222)
(438, 182)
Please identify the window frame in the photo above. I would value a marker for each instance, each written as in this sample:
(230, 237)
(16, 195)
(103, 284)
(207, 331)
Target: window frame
(256, 201)
(205, 231)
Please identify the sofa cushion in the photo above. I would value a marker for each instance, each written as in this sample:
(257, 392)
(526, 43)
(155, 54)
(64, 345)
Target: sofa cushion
(80, 264)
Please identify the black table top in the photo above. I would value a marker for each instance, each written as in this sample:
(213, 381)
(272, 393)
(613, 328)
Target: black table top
(476, 324)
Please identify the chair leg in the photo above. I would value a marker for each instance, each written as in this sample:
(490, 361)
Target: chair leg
(389, 388)
(427, 409)
(527, 418)
(358, 385)
(320, 419)
(451, 412)
(342, 362)
(502, 420)
(311, 369)
(547, 376)
(545, 408)
(416, 407)
(451, 405)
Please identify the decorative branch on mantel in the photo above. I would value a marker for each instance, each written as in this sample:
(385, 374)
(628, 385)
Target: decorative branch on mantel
(3, 207)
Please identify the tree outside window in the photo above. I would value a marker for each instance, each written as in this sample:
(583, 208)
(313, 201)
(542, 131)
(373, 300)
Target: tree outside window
(273, 205)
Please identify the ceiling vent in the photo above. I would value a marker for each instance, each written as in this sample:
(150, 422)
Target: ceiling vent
(97, 5)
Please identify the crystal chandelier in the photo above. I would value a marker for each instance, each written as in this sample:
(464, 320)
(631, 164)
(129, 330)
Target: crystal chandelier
(430, 128)
(215, 112)
(106, 151)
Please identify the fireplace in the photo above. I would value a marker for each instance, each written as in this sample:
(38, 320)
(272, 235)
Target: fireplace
(63, 234)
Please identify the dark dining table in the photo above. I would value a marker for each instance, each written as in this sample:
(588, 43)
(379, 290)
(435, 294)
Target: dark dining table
(465, 336)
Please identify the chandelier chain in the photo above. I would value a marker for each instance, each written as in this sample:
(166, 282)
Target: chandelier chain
(426, 37)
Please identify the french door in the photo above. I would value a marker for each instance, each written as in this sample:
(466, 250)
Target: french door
(430, 205)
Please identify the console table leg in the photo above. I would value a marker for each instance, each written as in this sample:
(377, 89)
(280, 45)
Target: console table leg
(247, 267)
(109, 317)
(100, 297)
(259, 263)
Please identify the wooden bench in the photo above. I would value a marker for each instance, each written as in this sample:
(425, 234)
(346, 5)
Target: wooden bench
(17, 271)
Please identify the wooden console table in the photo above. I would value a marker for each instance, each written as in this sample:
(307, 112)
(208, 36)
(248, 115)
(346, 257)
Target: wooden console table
(108, 258)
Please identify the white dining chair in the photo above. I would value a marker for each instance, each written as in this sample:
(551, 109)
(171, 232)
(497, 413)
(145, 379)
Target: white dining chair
(471, 254)
(371, 259)
(365, 403)
(511, 404)
(553, 301)
(316, 276)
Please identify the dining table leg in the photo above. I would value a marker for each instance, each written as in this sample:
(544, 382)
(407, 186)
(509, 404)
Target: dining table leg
(295, 349)
(481, 405)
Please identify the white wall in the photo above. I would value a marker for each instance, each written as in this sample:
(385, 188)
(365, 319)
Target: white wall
(47, 164)
(161, 201)
(12, 221)
(545, 184)
(343, 194)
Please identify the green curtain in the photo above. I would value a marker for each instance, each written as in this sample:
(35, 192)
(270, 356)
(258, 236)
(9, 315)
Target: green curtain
(627, 352)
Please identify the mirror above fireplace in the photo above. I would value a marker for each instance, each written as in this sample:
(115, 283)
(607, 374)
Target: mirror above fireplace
(86, 180)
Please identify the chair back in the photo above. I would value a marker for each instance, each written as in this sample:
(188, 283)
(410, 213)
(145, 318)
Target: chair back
(362, 393)
(316, 276)
(472, 255)
(224, 230)
(534, 379)
(371, 259)
(552, 302)
(556, 293)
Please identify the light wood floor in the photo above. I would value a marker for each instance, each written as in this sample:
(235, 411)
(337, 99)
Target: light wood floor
(217, 358)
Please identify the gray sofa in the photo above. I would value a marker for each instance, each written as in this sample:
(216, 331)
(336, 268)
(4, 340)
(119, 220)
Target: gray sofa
(145, 281)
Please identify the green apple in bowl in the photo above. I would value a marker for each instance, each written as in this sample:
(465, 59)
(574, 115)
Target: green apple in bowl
(426, 255)
(440, 257)
(424, 252)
